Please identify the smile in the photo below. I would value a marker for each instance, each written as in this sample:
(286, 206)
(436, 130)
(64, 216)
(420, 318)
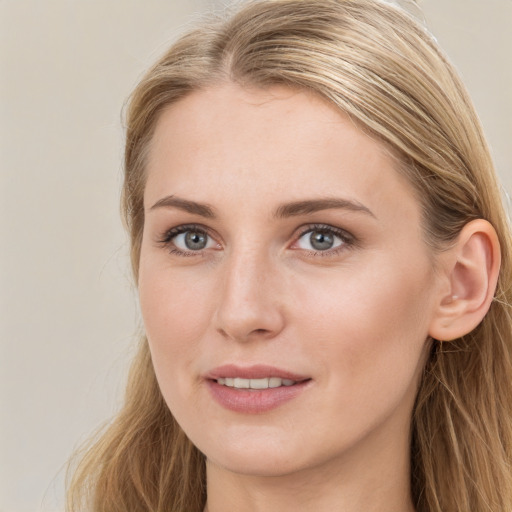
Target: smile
(254, 389)
(264, 383)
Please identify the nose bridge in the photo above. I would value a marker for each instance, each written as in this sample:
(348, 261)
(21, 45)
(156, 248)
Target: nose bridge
(248, 304)
(246, 270)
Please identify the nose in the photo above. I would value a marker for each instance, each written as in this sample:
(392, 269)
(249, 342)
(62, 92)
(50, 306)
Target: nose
(250, 304)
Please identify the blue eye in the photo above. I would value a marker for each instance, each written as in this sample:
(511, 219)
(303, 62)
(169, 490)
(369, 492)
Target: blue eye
(321, 239)
(188, 239)
(191, 241)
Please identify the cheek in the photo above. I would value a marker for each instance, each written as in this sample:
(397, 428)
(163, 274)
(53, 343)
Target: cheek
(175, 322)
(373, 323)
(176, 312)
(171, 301)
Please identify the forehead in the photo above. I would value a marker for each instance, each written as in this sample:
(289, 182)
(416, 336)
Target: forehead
(264, 145)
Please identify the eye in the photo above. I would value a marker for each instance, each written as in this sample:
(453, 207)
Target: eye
(322, 239)
(191, 241)
(184, 240)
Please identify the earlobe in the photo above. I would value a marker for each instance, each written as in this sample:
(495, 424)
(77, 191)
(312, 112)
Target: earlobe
(472, 267)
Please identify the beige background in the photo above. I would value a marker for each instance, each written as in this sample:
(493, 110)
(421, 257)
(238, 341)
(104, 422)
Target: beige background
(68, 310)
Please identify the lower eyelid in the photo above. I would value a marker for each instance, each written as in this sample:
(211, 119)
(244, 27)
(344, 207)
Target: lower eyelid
(186, 254)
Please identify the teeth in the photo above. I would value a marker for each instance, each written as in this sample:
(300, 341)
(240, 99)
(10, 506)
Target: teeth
(242, 383)
(265, 383)
(274, 382)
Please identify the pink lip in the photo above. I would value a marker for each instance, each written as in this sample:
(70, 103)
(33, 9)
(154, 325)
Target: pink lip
(253, 401)
(258, 371)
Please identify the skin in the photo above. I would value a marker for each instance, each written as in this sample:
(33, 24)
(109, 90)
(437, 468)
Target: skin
(355, 319)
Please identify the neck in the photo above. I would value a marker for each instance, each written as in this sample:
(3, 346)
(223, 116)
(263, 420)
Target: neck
(372, 481)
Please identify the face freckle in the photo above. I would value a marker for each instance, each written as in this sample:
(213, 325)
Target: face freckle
(311, 269)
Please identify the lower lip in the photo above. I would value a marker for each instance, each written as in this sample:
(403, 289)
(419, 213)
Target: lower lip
(254, 401)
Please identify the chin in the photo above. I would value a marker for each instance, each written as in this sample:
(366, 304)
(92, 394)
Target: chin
(256, 464)
(269, 455)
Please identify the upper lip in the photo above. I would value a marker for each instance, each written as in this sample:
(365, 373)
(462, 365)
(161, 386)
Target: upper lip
(258, 371)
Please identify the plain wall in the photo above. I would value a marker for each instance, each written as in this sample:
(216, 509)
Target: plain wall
(68, 309)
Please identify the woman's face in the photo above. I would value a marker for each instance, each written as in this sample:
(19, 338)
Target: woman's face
(282, 252)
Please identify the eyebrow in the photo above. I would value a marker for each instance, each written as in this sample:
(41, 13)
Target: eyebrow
(201, 209)
(316, 205)
(293, 209)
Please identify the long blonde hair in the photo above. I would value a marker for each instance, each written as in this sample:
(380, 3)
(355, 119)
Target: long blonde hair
(379, 66)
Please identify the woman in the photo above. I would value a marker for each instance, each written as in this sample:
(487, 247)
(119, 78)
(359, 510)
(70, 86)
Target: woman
(323, 265)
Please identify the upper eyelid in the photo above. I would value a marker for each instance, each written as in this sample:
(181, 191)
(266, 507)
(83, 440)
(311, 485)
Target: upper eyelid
(170, 233)
(301, 229)
(324, 227)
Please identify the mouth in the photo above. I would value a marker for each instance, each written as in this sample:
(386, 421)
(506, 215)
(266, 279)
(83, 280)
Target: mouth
(254, 389)
(255, 384)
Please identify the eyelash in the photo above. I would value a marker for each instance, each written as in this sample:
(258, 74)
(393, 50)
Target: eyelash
(166, 239)
(348, 240)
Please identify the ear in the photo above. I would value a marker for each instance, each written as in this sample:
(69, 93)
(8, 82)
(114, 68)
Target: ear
(471, 268)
